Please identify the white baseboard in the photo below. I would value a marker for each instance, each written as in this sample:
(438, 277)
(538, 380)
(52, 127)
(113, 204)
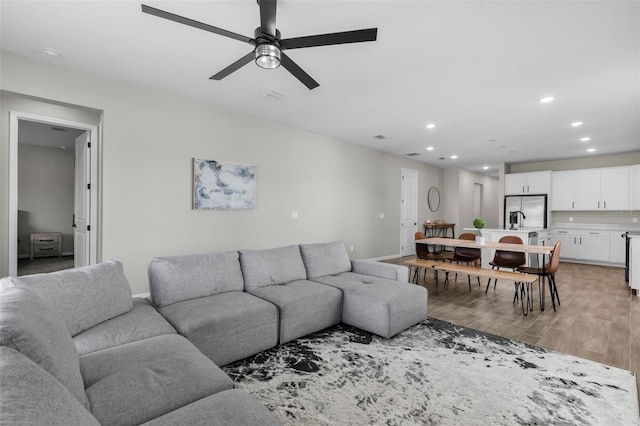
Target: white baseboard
(392, 256)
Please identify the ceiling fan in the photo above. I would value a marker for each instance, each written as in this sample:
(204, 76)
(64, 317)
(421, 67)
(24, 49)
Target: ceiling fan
(269, 46)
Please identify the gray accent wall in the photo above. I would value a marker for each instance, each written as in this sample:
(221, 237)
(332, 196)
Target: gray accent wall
(148, 141)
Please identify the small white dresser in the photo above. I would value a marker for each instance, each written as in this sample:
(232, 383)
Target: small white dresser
(46, 245)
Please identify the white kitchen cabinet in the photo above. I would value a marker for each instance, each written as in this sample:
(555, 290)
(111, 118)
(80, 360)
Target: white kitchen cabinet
(603, 189)
(635, 187)
(564, 186)
(583, 244)
(527, 183)
(617, 247)
(569, 239)
(593, 245)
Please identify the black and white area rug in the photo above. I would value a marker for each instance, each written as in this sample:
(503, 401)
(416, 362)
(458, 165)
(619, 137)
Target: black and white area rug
(434, 373)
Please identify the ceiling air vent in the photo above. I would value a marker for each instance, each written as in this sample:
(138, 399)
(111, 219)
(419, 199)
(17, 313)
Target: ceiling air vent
(273, 95)
(412, 154)
(380, 137)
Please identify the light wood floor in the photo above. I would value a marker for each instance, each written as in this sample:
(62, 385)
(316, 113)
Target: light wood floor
(599, 318)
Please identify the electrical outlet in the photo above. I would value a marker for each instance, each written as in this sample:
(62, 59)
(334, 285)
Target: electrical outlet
(634, 219)
(570, 218)
(381, 215)
(294, 215)
(351, 249)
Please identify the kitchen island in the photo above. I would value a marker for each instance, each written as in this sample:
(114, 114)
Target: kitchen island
(529, 236)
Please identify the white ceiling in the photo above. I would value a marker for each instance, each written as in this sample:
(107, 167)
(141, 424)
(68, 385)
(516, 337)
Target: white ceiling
(475, 68)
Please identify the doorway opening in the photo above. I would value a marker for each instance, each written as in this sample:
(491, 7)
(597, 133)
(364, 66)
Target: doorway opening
(53, 194)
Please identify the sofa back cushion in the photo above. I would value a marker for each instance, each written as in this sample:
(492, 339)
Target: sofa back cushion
(176, 278)
(31, 396)
(275, 266)
(325, 259)
(30, 325)
(86, 296)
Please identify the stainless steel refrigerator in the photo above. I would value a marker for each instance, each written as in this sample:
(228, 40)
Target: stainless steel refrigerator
(525, 211)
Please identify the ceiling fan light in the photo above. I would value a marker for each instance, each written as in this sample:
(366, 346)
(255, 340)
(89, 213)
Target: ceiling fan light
(267, 56)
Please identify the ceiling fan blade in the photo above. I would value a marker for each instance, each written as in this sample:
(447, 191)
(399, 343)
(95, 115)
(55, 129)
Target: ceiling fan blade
(356, 36)
(196, 24)
(268, 16)
(234, 66)
(298, 72)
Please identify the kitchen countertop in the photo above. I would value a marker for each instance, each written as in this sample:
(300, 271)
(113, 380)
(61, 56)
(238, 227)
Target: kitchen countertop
(506, 230)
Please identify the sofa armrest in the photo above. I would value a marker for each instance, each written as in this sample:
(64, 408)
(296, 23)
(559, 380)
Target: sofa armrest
(381, 270)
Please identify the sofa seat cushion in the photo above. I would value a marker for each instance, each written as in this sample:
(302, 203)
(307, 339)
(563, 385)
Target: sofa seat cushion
(378, 305)
(31, 326)
(305, 307)
(176, 278)
(31, 396)
(232, 407)
(137, 382)
(226, 327)
(141, 322)
(274, 266)
(325, 259)
(86, 296)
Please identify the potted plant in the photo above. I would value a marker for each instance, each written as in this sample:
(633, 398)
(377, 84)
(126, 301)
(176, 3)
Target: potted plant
(479, 223)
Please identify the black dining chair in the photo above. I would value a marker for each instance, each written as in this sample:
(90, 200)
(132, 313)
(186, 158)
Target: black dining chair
(465, 255)
(507, 259)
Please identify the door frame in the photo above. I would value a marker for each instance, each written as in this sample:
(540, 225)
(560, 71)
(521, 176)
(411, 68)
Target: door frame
(14, 117)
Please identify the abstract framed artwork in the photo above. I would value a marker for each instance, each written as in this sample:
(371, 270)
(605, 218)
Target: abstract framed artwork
(221, 185)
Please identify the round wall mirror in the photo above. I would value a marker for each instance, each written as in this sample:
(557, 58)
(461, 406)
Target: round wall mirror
(433, 199)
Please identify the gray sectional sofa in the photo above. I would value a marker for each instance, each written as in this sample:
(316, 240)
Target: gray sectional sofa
(77, 349)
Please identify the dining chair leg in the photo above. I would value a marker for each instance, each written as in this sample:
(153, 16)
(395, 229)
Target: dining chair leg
(515, 295)
(553, 289)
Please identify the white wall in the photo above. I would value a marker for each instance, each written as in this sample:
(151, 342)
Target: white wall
(45, 201)
(459, 193)
(148, 141)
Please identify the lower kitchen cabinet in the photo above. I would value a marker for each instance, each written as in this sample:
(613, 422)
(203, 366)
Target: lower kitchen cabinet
(586, 245)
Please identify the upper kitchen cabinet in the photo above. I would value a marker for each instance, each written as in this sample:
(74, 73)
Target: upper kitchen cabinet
(564, 188)
(603, 189)
(527, 183)
(635, 187)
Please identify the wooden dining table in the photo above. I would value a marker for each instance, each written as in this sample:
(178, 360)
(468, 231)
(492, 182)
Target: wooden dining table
(488, 248)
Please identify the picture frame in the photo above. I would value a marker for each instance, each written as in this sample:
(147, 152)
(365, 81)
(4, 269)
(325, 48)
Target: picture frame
(223, 185)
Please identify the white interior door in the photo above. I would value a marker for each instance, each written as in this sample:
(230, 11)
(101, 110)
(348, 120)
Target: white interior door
(409, 211)
(82, 204)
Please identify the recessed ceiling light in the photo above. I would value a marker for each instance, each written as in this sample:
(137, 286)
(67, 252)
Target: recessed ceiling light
(485, 168)
(591, 150)
(51, 52)
(585, 139)
(430, 148)
(453, 157)
(577, 123)
(380, 137)
(546, 99)
(431, 125)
